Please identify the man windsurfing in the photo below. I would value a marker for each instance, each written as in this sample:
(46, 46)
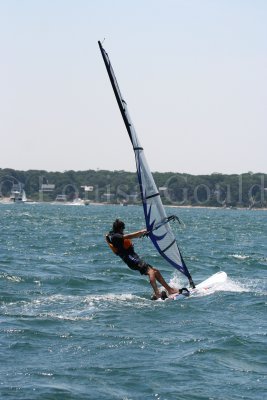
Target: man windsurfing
(121, 244)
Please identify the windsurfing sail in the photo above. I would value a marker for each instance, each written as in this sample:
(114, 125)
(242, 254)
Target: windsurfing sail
(157, 222)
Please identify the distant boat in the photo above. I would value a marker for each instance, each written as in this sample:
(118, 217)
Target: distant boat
(18, 194)
(77, 202)
(61, 198)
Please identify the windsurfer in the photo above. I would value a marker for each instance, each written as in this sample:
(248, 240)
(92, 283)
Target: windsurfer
(122, 245)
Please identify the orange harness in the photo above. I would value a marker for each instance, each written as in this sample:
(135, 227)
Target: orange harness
(126, 244)
(111, 246)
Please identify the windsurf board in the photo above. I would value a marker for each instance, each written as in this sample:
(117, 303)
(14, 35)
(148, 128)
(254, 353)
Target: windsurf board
(206, 285)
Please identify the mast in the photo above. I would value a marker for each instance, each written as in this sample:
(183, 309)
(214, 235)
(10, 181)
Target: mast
(116, 89)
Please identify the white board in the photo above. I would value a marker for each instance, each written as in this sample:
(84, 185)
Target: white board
(208, 284)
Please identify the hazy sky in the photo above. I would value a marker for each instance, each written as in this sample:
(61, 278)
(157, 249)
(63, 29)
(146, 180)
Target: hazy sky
(193, 72)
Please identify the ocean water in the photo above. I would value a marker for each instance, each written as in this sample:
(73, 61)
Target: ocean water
(76, 323)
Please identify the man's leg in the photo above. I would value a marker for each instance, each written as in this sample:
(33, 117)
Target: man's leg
(152, 280)
(154, 274)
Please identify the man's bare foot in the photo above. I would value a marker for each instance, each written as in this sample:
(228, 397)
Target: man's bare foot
(156, 296)
(173, 291)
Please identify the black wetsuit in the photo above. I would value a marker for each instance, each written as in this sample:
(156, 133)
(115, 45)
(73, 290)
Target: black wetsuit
(125, 250)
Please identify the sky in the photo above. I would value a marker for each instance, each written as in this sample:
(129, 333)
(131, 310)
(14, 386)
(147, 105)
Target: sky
(193, 73)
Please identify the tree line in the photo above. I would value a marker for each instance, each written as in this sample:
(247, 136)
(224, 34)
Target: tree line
(218, 190)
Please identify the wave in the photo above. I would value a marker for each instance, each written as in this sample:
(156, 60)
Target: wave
(111, 297)
(239, 256)
(67, 307)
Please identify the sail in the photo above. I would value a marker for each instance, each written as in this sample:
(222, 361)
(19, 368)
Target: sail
(157, 222)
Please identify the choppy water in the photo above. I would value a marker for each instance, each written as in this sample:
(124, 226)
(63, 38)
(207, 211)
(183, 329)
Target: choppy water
(76, 323)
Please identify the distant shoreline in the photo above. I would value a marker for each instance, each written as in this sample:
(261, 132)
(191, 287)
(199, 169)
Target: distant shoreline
(247, 190)
(7, 201)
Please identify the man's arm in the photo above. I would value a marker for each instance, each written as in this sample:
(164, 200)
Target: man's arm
(135, 234)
